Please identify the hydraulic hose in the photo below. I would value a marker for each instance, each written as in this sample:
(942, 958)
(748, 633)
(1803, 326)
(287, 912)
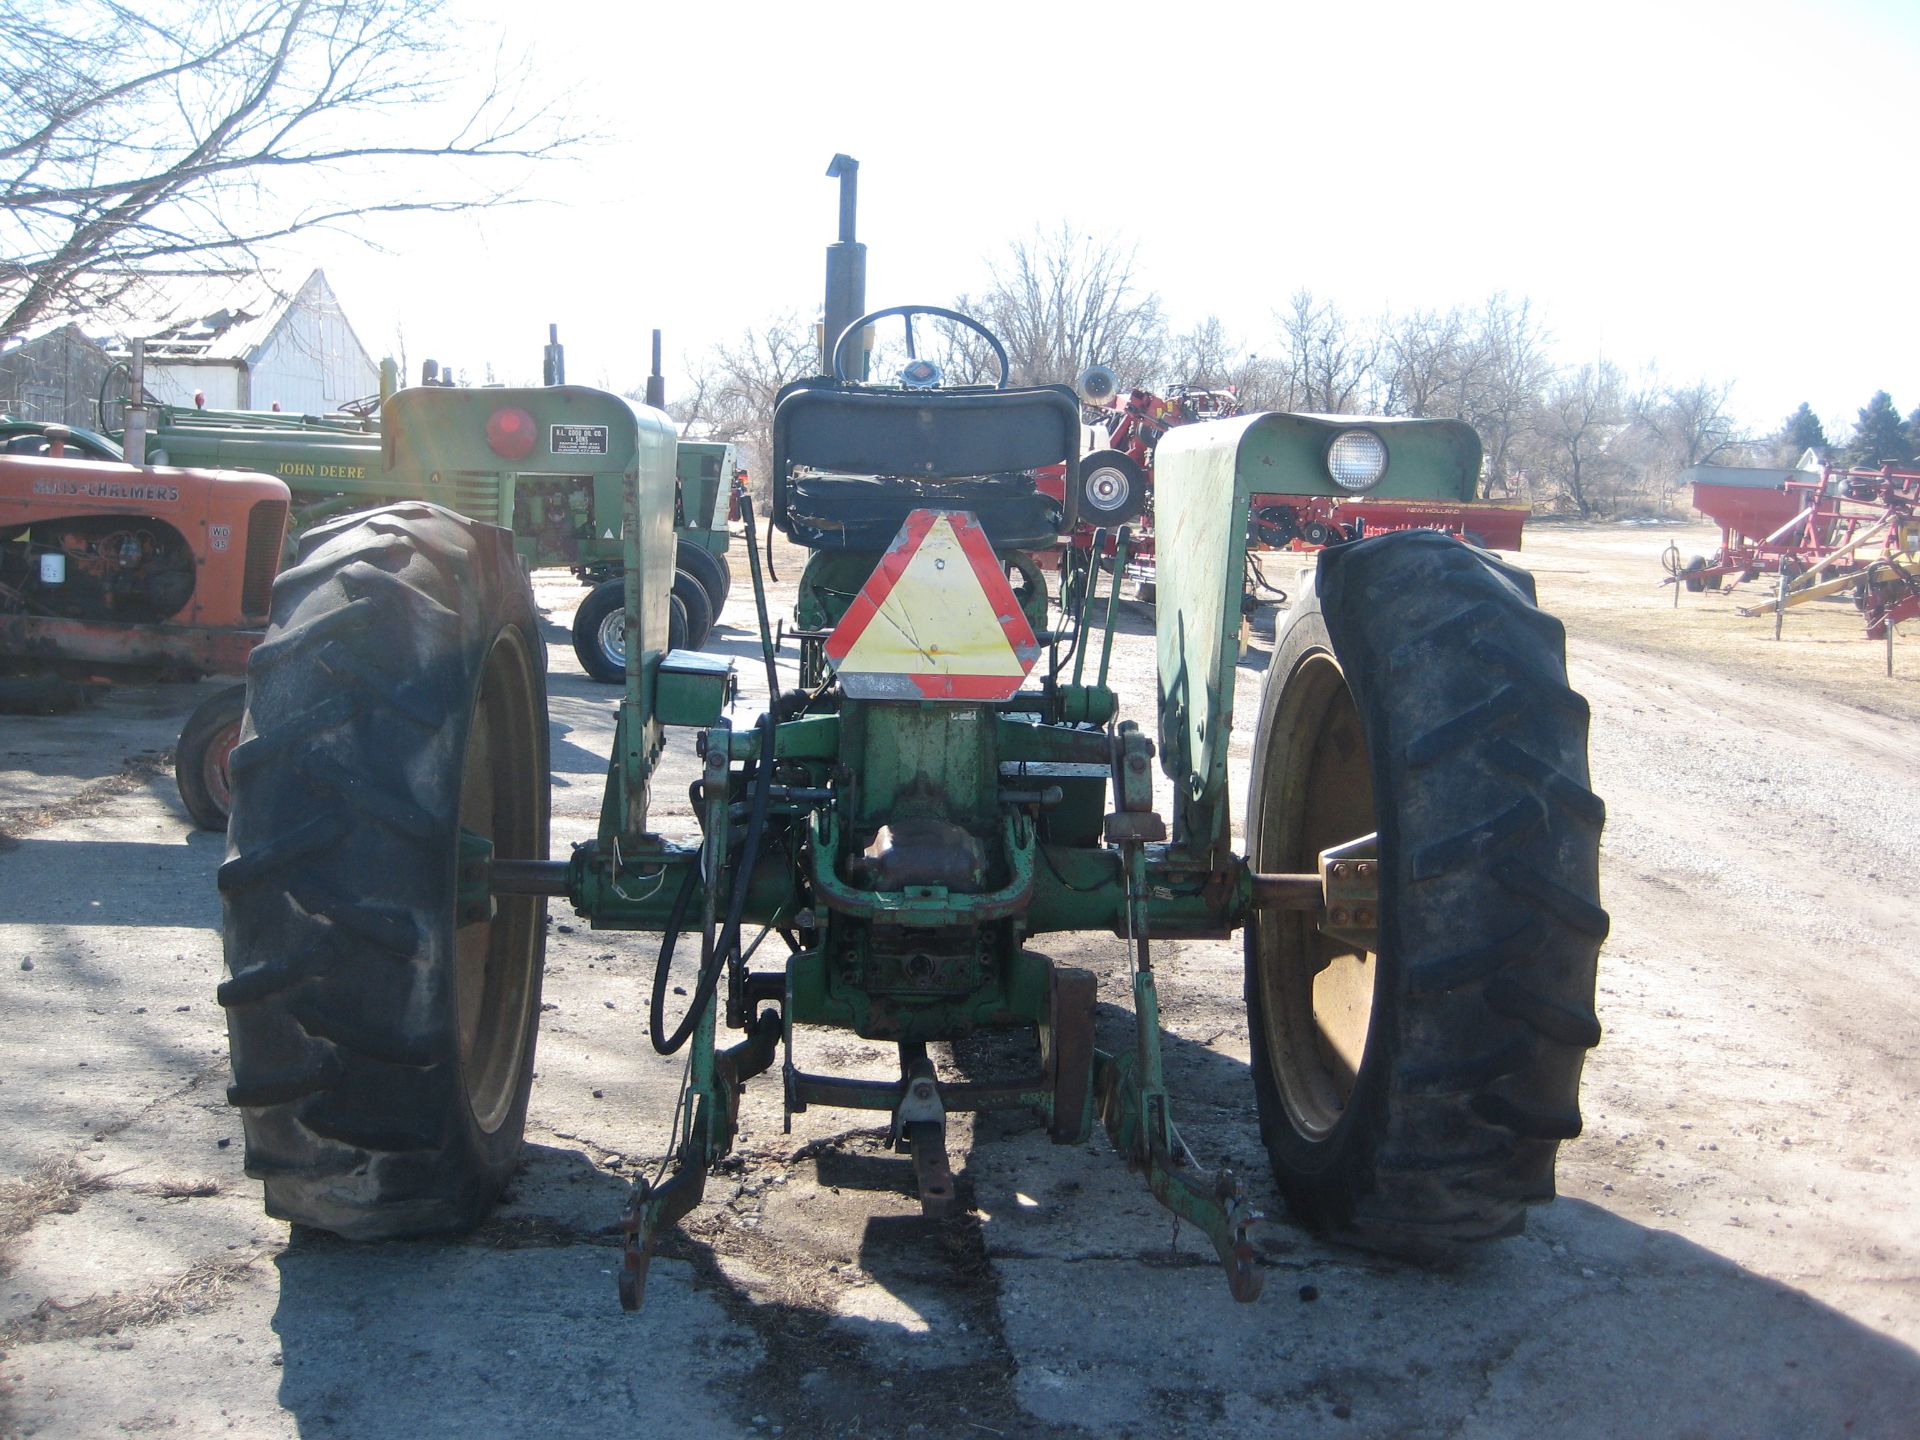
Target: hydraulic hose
(729, 938)
(657, 1011)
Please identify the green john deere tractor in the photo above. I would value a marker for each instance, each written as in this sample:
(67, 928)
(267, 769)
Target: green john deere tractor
(952, 781)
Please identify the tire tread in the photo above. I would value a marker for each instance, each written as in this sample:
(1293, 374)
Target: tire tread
(1489, 899)
(345, 1056)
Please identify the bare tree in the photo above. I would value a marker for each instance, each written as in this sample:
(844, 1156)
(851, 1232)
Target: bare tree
(1691, 421)
(1579, 418)
(1063, 301)
(1504, 369)
(731, 396)
(161, 139)
(1204, 356)
(1263, 382)
(1422, 362)
(1679, 426)
(1329, 362)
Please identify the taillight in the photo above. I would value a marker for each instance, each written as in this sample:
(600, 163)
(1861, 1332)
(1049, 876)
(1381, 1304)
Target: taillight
(510, 433)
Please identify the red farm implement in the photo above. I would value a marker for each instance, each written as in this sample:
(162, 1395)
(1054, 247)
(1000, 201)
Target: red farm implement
(1823, 534)
(1115, 483)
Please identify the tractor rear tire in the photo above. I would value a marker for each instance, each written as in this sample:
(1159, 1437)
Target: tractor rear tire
(201, 755)
(1414, 1098)
(600, 634)
(382, 1024)
(693, 595)
(711, 570)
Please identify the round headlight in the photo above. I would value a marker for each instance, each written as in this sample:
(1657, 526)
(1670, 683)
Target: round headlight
(1357, 459)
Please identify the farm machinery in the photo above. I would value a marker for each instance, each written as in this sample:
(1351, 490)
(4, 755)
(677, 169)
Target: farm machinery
(488, 454)
(533, 484)
(1115, 484)
(951, 782)
(1822, 533)
(106, 567)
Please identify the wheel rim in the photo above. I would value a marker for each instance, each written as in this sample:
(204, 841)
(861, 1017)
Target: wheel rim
(1318, 995)
(1106, 489)
(215, 767)
(612, 637)
(493, 959)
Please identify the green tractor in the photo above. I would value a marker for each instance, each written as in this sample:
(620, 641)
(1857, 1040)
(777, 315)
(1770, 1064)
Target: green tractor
(952, 781)
(704, 471)
(480, 456)
(555, 461)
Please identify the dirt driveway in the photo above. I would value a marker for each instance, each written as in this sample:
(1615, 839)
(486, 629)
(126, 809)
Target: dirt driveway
(1736, 1251)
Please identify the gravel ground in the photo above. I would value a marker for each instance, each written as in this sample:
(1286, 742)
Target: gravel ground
(1735, 1251)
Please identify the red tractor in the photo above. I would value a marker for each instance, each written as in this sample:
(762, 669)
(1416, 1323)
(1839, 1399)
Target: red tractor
(108, 567)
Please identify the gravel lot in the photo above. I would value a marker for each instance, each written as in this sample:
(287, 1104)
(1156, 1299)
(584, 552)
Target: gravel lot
(1736, 1251)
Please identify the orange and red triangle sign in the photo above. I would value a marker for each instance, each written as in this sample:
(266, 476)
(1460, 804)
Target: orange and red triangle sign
(936, 620)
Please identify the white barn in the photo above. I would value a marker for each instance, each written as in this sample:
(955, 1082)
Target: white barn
(247, 344)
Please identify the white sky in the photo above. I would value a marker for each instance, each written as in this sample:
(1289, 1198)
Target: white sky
(1725, 190)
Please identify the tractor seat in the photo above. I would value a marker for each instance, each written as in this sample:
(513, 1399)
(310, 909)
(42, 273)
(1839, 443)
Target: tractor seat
(851, 462)
(865, 512)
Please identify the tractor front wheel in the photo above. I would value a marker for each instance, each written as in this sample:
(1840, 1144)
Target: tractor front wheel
(711, 570)
(200, 757)
(381, 1006)
(693, 597)
(600, 631)
(1416, 1072)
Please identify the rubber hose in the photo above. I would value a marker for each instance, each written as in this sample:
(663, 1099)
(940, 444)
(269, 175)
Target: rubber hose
(657, 1012)
(729, 939)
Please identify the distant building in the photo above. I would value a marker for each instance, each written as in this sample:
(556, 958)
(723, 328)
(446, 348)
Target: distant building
(54, 377)
(246, 344)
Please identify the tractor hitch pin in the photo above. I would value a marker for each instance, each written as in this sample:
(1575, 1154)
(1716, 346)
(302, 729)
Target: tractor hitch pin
(920, 1127)
(1287, 892)
(1045, 796)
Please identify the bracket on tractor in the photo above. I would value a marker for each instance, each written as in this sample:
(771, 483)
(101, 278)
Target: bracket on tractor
(1138, 1115)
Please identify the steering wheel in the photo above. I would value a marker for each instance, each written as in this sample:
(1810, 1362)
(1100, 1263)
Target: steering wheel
(111, 413)
(906, 313)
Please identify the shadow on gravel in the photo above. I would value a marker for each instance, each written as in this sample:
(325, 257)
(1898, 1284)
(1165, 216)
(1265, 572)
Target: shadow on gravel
(114, 882)
(512, 1330)
(516, 1329)
(1588, 1325)
(1069, 1313)
(575, 764)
